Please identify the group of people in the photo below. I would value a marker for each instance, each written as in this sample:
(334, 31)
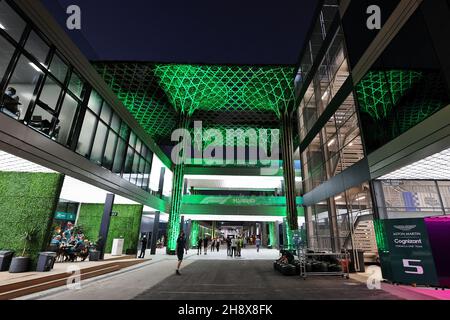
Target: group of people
(69, 244)
(215, 245)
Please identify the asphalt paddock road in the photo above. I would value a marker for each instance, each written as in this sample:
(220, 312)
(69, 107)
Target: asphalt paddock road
(255, 280)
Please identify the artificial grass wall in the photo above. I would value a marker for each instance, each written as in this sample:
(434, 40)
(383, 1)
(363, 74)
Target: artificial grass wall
(126, 225)
(27, 200)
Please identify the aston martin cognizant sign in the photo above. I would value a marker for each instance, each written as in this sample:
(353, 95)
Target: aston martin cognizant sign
(411, 257)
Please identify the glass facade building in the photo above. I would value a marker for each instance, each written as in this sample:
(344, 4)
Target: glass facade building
(40, 89)
(346, 117)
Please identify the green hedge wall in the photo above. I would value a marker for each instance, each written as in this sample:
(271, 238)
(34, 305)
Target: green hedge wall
(127, 224)
(27, 200)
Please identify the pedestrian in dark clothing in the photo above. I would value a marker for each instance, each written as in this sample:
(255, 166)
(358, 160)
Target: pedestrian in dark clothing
(229, 247)
(205, 245)
(143, 247)
(199, 246)
(217, 244)
(181, 244)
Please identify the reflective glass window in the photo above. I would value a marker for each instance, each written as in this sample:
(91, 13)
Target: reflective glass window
(11, 22)
(99, 143)
(37, 48)
(66, 117)
(23, 81)
(86, 135)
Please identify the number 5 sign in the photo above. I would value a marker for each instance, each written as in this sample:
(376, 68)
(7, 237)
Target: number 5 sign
(407, 263)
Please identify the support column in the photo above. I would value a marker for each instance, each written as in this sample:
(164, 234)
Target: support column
(104, 227)
(264, 238)
(287, 151)
(287, 235)
(273, 241)
(155, 233)
(173, 226)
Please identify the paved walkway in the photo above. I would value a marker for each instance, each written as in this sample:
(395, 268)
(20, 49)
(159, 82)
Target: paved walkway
(216, 276)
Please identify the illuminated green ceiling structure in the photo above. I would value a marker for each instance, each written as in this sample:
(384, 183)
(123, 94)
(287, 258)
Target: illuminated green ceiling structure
(220, 96)
(379, 91)
(226, 88)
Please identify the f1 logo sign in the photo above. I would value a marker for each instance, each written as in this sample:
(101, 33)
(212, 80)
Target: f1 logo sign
(374, 20)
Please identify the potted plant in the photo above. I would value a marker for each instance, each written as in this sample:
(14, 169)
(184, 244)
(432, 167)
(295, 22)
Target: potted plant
(94, 253)
(22, 263)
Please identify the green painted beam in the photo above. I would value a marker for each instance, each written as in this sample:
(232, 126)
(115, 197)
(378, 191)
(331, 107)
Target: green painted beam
(220, 209)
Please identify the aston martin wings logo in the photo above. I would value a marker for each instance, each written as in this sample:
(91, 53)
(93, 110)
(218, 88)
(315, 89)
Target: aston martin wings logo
(405, 227)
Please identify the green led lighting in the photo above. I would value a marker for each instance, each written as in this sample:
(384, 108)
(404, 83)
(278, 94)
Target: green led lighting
(272, 234)
(194, 233)
(226, 88)
(288, 236)
(380, 235)
(379, 91)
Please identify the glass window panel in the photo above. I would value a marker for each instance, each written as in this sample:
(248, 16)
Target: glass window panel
(8, 103)
(109, 150)
(66, 118)
(132, 141)
(146, 180)
(144, 153)
(41, 120)
(106, 113)
(138, 146)
(11, 22)
(58, 68)
(135, 168)
(76, 85)
(444, 189)
(119, 155)
(6, 54)
(124, 130)
(115, 122)
(95, 102)
(128, 163)
(87, 132)
(99, 143)
(24, 80)
(50, 93)
(37, 47)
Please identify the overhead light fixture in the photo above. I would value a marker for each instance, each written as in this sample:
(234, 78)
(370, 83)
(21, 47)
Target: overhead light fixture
(338, 197)
(35, 67)
(325, 95)
(2, 27)
(360, 198)
(331, 142)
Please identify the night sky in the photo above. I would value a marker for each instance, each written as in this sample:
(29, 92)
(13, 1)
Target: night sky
(190, 31)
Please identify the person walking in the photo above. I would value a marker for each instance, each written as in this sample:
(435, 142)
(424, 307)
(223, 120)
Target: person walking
(228, 246)
(213, 244)
(233, 247)
(143, 247)
(199, 246)
(238, 247)
(258, 243)
(205, 245)
(181, 245)
(218, 244)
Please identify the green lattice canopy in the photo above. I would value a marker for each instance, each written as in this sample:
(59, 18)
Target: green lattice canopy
(230, 88)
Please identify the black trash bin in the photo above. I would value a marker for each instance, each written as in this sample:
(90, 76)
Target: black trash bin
(46, 261)
(94, 255)
(360, 256)
(5, 259)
